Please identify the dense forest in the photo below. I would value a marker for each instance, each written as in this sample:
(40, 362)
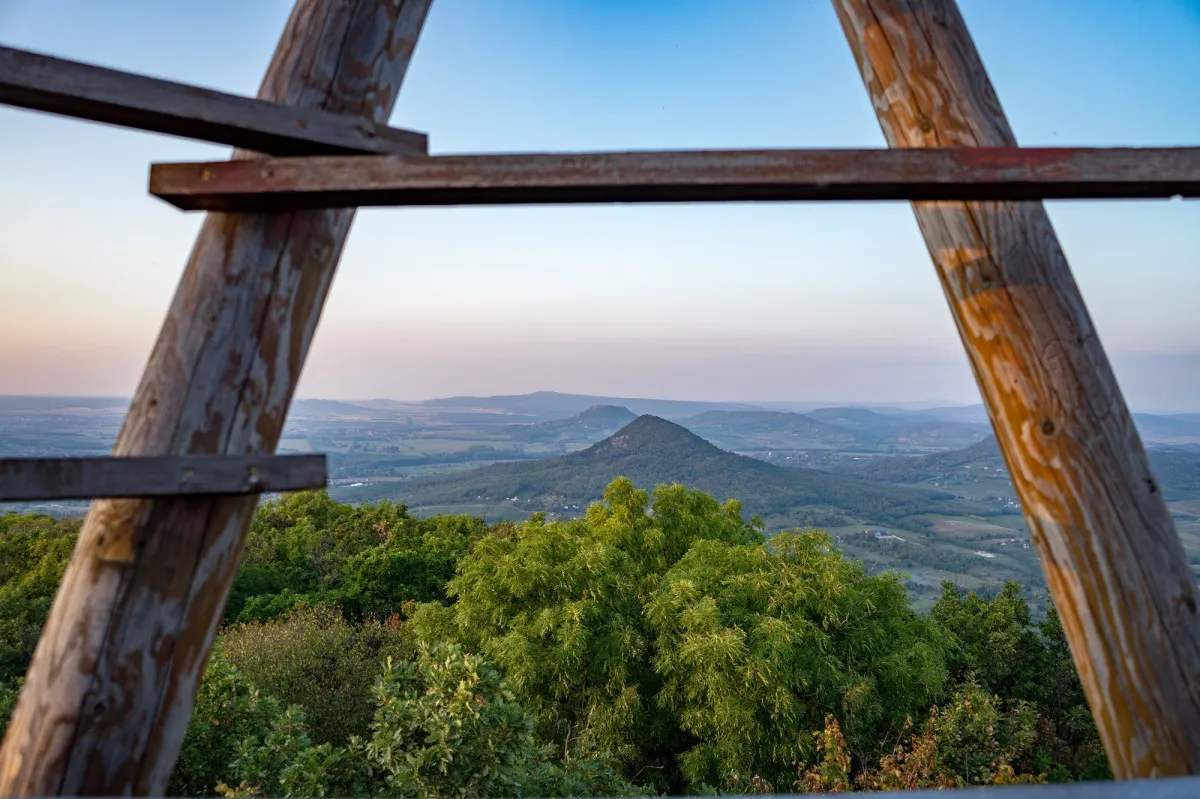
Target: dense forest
(660, 643)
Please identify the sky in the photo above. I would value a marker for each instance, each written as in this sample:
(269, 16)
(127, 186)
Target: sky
(717, 302)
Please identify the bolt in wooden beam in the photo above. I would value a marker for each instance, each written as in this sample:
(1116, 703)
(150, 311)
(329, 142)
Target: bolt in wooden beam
(55, 85)
(107, 697)
(1113, 561)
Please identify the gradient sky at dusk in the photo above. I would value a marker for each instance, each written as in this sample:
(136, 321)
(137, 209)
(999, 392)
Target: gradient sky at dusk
(768, 302)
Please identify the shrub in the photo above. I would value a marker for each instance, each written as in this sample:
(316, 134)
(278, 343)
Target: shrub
(34, 551)
(228, 709)
(970, 741)
(445, 724)
(317, 660)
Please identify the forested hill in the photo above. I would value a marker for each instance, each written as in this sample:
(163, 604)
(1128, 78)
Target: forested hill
(786, 428)
(1178, 469)
(651, 451)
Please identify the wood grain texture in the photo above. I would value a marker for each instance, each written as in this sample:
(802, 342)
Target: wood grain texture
(55, 85)
(29, 479)
(688, 176)
(1109, 549)
(107, 697)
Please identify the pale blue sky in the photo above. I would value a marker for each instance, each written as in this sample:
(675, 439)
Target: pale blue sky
(764, 302)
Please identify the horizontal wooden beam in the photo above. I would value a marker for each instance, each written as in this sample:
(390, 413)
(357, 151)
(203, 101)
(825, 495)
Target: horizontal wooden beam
(1002, 173)
(58, 86)
(28, 479)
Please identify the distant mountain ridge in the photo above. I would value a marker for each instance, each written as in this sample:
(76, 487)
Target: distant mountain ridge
(1177, 428)
(21, 402)
(651, 451)
(590, 425)
(549, 405)
(324, 407)
(848, 427)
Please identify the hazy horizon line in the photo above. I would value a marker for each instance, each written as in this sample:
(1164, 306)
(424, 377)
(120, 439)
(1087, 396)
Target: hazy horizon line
(915, 405)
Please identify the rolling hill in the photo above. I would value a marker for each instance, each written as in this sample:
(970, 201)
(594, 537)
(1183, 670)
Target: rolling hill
(324, 408)
(1180, 428)
(766, 430)
(957, 413)
(591, 425)
(874, 429)
(651, 451)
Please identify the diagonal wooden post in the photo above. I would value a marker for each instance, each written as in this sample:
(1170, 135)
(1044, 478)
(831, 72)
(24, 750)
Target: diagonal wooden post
(1112, 559)
(108, 695)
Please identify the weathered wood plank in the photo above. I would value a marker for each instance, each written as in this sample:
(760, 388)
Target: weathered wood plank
(1109, 549)
(687, 176)
(55, 85)
(107, 698)
(27, 479)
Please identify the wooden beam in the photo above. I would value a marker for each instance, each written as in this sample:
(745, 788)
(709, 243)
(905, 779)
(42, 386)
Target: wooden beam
(108, 695)
(55, 85)
(27, 479)
(695, 176)
(1113, 561)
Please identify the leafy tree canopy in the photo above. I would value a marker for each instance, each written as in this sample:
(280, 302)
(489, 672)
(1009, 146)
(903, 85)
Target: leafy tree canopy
(755, 643)
(657, 644)
(307, 549)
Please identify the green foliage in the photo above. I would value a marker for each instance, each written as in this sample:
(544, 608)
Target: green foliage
(9, 691)
(317, 660)
(1070, 741)
(994, 640)
(663, 644)
(34, 551)
(996, 643)
(228, 710)
(559, 607)
(975, 738)
(445, 724)
(306, 549)
(755, 644)
(283, 761)
(970, 741)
